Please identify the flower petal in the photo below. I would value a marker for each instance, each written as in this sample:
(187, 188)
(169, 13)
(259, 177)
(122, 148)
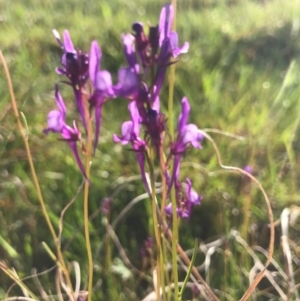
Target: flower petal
(191, 134)
(176, 51)
(55, 122)
(129, 50)
(68, 45)
(60, 103)
(94, 61)
(128, 83)
(184, 115)
(135, 117)
(126, 130)
(165, 22)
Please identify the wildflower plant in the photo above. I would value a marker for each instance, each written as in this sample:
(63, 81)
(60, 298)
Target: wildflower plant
(149, 135)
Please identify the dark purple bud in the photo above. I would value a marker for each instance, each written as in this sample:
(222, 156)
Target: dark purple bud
(75, 63)
(154, 39)
(141, 41)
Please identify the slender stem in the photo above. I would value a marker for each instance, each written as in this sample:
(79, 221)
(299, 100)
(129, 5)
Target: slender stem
(189, 270)
(163, 180)
(162, 161)
(155, 220)
(174, 243)
(195, 272)
(166, 293)
(86, 202)
(34, 175)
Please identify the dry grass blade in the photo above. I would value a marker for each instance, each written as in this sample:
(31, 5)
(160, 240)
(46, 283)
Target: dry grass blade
(285, 215)
(270, 215)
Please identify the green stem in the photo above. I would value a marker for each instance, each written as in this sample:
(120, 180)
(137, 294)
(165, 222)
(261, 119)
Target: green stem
(189, 270)
(86, 203)
(163, 256)
(155, 220)
(34, 175)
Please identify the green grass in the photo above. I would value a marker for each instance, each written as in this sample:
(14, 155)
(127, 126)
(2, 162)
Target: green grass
(241, 75)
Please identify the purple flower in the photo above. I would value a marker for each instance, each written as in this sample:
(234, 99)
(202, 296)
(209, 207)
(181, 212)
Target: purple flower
(75, 66)
(187, 135)
(165, 22)
(57, 124)
(248, 169)
(149, 243)
(75, 63)
(168, 42)
(102, 84)
(147, 248)
(128, 78)
(130, 133)
(106, 204)
(195, 290)
(154, 52)
(192, 197)
(184, 203)
(168, 38)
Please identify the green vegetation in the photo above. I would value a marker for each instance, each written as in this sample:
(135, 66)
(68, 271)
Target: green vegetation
(241, 76)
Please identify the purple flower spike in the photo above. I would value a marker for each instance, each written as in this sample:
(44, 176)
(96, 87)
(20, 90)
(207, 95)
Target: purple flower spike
(103, 87)
(75, 66)
(57, 124)
(74, 62)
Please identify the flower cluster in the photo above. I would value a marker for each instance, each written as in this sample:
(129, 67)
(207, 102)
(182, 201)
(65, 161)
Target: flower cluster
(148, 56)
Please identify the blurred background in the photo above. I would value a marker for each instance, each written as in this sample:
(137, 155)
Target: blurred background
(241, 76)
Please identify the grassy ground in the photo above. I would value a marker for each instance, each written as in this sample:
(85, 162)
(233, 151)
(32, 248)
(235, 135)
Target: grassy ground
(242, 75)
